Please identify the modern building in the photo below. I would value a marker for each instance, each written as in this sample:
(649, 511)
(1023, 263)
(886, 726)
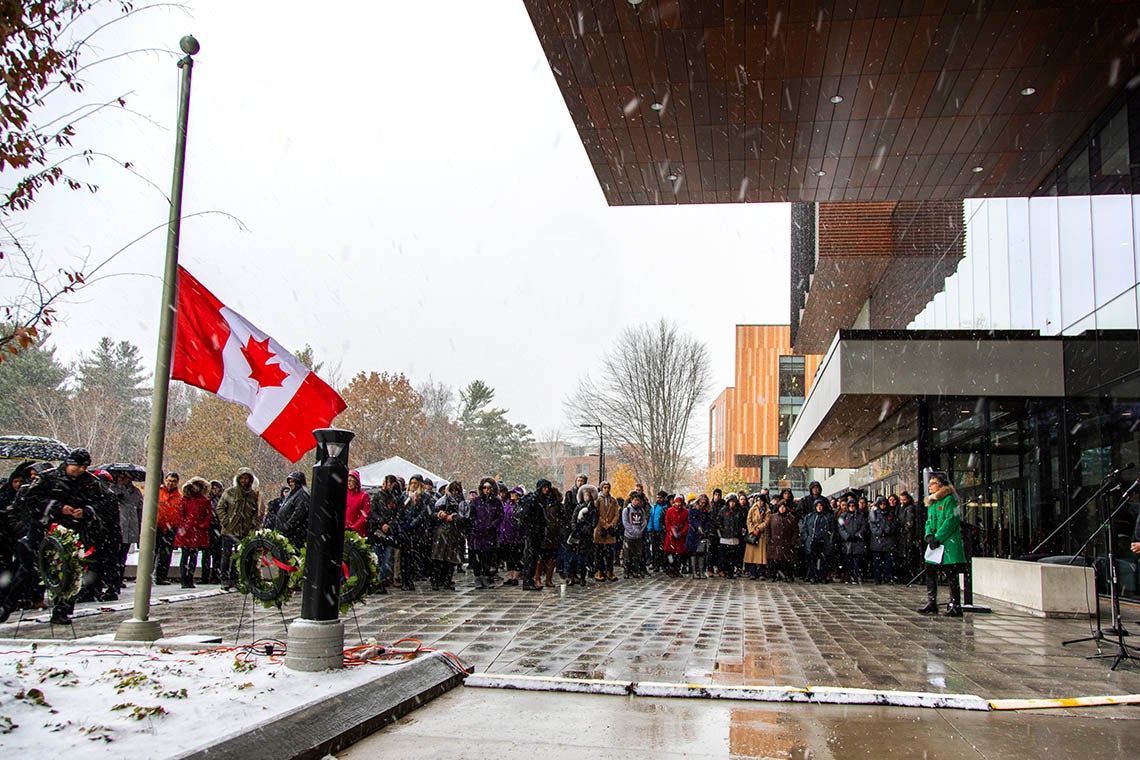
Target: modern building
(566, 461)
(749, 422)
(965, 222)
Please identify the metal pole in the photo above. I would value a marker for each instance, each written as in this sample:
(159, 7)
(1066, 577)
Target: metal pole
(140, 627)
(601, 454)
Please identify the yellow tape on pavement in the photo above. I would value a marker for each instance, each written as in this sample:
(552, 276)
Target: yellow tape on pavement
(1042, 704)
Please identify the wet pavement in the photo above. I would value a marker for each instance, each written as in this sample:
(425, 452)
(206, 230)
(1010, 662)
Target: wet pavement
(704, 631)
(479, 723)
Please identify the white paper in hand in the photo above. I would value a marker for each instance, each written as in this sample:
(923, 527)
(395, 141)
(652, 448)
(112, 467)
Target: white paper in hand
(934, 556)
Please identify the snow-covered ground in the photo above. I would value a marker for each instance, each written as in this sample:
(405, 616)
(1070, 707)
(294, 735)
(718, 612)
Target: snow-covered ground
(104, 700)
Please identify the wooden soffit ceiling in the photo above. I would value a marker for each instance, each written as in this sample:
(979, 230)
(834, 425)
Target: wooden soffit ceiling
(930, 90)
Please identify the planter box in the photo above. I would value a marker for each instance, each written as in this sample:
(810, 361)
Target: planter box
(1040, 588)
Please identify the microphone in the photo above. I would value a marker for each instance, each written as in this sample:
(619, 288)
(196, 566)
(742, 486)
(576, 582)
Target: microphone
(1119, 470)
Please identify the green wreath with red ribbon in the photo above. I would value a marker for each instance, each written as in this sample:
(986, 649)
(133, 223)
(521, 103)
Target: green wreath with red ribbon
(266, 561)
(62, 561)
(360, 568)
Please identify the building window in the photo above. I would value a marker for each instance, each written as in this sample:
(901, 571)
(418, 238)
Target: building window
(791, 378)
(1113, 143)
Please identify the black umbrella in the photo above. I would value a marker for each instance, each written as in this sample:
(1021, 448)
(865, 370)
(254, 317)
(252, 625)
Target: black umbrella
(138, 474)
(32, 447)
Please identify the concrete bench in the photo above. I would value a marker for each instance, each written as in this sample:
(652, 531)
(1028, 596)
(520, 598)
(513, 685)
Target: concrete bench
(1043, 589)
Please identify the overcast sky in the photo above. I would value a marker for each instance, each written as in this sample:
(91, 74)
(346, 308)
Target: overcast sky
(412, 195)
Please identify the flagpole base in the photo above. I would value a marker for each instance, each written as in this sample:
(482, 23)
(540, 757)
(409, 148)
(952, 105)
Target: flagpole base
(315, 645)
(138, 630)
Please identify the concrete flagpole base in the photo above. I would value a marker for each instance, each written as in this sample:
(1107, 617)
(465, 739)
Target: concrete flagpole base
(138, 630)
(315, 645)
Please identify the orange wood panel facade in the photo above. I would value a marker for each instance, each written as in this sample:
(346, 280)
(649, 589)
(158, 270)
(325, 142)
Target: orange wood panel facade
(744, 419)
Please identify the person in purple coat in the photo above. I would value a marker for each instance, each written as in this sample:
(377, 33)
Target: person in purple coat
(486, 518)
(511, 538)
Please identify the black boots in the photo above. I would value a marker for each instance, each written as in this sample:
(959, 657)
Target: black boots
(931, 607)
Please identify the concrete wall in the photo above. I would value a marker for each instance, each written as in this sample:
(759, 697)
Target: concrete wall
(1043, 589)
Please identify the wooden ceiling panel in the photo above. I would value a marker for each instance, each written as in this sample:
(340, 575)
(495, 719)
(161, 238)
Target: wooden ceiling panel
(930, 89)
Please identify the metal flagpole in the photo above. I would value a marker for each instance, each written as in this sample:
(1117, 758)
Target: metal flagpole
(140, 627)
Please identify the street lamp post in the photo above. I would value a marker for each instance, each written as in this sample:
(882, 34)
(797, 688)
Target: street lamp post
(316, 639)
(141, 627)
(601, 448)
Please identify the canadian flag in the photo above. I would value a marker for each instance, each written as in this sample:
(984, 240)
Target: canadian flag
(218, 350)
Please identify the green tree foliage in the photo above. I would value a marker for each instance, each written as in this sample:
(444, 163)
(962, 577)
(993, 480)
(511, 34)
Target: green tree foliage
(27, 379)
(495, 446)
(114, 374)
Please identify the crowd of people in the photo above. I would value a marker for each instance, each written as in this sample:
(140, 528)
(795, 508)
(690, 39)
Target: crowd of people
(420, 531)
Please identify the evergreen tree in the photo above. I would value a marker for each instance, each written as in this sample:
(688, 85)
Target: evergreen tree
(497, 446)
(114, 377)
(28, 378)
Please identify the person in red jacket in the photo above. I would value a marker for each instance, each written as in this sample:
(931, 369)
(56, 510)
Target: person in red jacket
(193, 526)
(169, 508)
(357, 506)
(676, 534)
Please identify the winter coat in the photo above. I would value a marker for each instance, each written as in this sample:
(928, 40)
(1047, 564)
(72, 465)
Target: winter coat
(731, 523)
(582, 530)
(130, 511)
(510, 532)
(357, 505)
(818, 531)
(238, 507)
(486, 518)
(657, 517)
(853, 532)
(908, 525)
(552, 535)
(194, 516)
(804, 506)
(609, 515)
(676, 529)
(699, 521)
(45, 498)
(169, 508)
(293, 518)
(447, 534)
(783, 537)
(943, 521)
(533, 517)
(413, 517)
(633, 521)
(382, 512)
(758, 519)
(884, 525)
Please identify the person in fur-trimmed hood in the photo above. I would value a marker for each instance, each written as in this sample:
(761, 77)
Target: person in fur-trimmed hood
(943, 529)
(194, 513)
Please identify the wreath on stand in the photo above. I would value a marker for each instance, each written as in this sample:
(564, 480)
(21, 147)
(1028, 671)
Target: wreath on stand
(266, 563)
(61, 561)
(359, 565)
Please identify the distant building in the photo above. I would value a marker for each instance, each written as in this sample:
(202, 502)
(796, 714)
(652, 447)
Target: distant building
(749, 422)
(566, 461)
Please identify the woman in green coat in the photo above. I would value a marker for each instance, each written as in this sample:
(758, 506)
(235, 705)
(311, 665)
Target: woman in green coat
(943, 529)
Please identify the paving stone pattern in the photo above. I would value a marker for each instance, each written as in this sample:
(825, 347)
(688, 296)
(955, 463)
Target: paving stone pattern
(702, 631)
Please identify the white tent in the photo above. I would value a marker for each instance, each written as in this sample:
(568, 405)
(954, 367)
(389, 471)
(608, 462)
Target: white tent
(373, 474)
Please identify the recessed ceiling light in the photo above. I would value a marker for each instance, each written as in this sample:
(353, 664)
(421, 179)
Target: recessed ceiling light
(978, 169)
(1028, 90)
(821, 173)
(836, 99)
(658, 106)
(672, 177)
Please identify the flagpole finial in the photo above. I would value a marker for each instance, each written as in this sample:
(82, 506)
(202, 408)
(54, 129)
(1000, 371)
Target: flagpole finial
(189, 45)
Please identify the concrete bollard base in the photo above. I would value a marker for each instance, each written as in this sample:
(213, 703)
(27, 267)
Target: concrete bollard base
(315, 645)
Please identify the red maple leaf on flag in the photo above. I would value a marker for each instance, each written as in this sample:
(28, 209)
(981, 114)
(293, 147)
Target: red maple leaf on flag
(257, 354)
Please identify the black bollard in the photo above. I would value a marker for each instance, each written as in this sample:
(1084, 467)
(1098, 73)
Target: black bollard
(316, 639)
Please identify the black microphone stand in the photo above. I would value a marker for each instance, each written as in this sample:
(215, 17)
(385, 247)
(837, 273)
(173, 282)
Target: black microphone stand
(1117, 629)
